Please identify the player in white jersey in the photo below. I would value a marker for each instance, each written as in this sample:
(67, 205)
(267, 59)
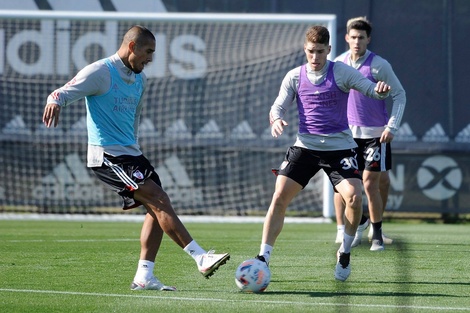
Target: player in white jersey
(372, 129)
(324, 140)
(113, 89)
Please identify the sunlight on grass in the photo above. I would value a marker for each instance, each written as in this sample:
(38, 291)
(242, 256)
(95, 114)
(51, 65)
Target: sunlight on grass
(52, 266)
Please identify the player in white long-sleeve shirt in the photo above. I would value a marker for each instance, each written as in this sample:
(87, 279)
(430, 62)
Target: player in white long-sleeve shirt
(113, 88)
(373, 130)
(324, 140)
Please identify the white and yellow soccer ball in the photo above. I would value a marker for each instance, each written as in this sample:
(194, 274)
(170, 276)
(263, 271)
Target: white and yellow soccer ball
(252, 275)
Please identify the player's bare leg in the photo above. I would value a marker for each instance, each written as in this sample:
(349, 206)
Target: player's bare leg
(371, 182)
(351, 191)
(384, 190)
(159, 207)
(285, 190)
(157, 202)
(150, 238)
(339, 211)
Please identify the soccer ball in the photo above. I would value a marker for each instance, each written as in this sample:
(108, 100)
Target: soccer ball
(252, 275)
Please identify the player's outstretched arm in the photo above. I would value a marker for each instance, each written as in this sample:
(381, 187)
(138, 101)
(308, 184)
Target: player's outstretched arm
(51, 115)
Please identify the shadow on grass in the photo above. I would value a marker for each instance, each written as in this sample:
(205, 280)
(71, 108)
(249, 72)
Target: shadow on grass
(423, 283)
(320, 294)
(403, 295)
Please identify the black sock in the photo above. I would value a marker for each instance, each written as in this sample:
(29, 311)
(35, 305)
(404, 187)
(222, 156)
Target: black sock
(377, 234)
(363, 219)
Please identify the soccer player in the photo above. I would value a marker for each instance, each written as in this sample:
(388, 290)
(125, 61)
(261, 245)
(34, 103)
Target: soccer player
(113, 89)
(372, 130)
(324, 140)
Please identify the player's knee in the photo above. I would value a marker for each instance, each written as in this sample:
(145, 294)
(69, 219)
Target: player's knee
(385, 183)
(279, 200)
(155, 197)
(355, 201)
(371, 188)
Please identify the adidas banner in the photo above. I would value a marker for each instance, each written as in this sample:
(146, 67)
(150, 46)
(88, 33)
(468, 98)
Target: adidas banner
(205, 123)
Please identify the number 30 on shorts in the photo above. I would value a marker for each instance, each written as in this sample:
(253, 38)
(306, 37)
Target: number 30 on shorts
(348, 163)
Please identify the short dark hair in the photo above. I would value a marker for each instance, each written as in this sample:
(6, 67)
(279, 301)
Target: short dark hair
(359, 23)
(317, 34)
(139, 34)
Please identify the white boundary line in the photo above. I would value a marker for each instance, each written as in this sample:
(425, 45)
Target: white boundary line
(140, 218)
(169, 298)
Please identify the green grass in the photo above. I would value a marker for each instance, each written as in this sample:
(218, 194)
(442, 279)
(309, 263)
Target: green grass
(56, 266)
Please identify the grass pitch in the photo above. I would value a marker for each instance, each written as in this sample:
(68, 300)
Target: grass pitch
(57, 266)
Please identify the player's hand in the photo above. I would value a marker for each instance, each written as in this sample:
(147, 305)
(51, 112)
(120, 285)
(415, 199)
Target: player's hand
(382, 87)
(278, 127)
(386, 137)
(51, 115)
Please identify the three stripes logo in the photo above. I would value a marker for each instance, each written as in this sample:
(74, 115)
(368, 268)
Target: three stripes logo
(405, 134)
(68, 180)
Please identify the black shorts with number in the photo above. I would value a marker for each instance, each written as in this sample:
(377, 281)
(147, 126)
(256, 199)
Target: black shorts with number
(372, 155)
(124, 173)
(302, 164)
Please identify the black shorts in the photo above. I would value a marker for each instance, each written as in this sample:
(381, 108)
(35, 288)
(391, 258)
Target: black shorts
(124, 173)
(372, 155)
(302, 164)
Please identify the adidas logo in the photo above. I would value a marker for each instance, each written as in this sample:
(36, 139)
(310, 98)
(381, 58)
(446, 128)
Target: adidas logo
(405, 134)
(177, 184)
(68, 180)
(243, 131)
(147, 129)
(210, 131)
(42, 130)
(16, 127)
(178, 130)
(435, 134)
(463, 135)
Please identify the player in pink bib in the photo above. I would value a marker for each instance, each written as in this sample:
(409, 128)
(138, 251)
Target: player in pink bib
(324, 140)
(372, 130)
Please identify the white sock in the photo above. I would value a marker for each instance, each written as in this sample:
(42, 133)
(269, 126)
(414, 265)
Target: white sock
(265, 250)
(340, 228)
(144, 271)
(194, 250)
(347, 242)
